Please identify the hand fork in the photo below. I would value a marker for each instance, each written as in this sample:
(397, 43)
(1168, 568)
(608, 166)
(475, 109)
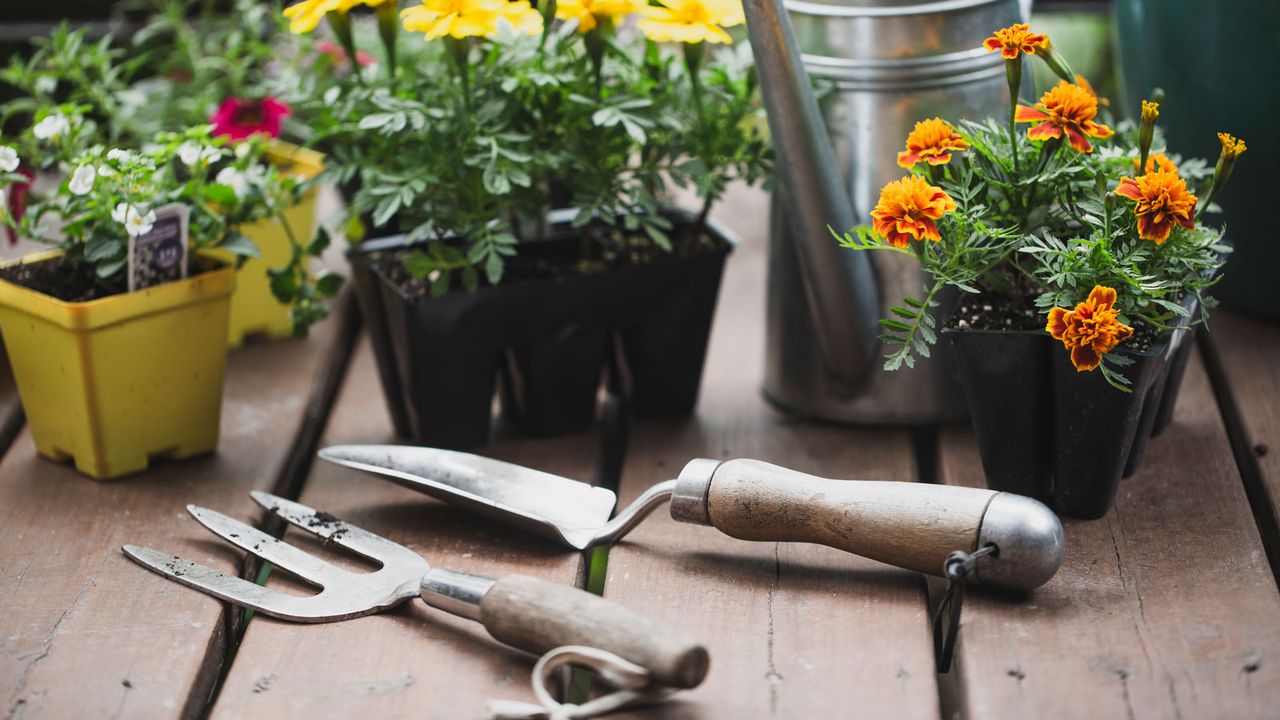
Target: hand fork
(524, 612)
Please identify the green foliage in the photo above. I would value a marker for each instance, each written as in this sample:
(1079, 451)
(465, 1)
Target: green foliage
(473, 142)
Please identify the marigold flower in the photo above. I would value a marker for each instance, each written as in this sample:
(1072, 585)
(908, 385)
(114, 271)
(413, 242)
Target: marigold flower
(931, 141)
(1232, 147)
(523, 17)
(346, 5)
(455, 18)
(1157, 162)
(1068, 109)
(1162, 200)
(1091, 330)
(306, 15)
(1015, 40)
(588, 13)
(1083, 82)
(691, 21)
(1150, 111)
(907, 209)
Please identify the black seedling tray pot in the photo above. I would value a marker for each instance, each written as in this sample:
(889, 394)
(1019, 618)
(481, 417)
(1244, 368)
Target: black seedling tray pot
(1050, 432)
(546, 340)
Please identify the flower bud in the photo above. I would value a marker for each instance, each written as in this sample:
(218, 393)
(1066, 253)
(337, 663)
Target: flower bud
(1147, 131)
(1232, 149)
(1055, 62)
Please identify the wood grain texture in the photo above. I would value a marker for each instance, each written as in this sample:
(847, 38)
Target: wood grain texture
(538, 616)
(1249, 350)
(1165, 608)
(910, 525)
(794, 631)
(86, 633)
(413, 661)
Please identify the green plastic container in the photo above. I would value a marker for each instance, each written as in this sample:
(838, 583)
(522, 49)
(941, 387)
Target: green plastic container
(1218, 63)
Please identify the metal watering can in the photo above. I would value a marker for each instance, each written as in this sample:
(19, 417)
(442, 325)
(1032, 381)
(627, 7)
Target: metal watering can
(892, 63)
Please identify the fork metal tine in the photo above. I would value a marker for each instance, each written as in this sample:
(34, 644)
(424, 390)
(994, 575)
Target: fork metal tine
(233, 589)
(334, 530)
(277, 552)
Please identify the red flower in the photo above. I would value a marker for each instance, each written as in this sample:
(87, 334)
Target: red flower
(18, 200)
(238, 119)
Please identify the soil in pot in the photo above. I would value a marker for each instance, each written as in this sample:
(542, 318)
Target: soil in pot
(76, 282)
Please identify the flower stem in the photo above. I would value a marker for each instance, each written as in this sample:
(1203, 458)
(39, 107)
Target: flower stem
(341, 25)
(1013, 75)
(388, 28)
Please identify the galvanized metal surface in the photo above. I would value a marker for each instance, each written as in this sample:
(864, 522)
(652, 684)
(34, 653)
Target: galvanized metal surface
(889, 64)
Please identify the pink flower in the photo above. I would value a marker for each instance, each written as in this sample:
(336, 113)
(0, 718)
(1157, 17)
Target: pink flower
(238, 119)
(339, 55)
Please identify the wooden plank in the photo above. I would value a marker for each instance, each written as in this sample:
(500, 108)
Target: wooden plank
(793, 630)
(84, 632)
(412, 661)
(1165, 608)
(1247, 353)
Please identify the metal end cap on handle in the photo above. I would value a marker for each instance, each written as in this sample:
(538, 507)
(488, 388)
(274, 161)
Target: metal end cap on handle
(689, 499)
(1029, 539)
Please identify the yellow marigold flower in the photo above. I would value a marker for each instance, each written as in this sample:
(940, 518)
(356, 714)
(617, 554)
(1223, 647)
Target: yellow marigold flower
(1150, 111)
(1091, 330)
(1232, 147)
(306, 15)
(691, 21)
(589, 12)
(1162, 200)
(907, 209)
(523, 17)
(1157, 162)
(932, 141)
(455, 18)
(345, 5)
(1068, 109)
(1084, 83)
(1014, 40)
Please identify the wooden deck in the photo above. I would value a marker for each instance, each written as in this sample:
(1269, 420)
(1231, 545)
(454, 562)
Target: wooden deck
(1166, 608)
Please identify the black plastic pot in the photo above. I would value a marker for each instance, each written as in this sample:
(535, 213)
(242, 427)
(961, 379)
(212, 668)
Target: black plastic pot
(1051, 432)
(547, 339)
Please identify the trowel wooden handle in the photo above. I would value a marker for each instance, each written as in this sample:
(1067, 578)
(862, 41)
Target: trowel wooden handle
(536, 615)
(910, 525)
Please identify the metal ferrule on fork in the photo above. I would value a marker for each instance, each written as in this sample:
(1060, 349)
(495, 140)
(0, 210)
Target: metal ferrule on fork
(457, 593)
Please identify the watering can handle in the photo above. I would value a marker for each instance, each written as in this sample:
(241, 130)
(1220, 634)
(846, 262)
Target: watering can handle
(840, 286)
(911, 525)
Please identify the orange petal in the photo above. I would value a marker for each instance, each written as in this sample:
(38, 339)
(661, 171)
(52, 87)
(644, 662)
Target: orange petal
(940, 159)
(1123, 332)
(1044, 131)
(1085, 359)
(1057, 325)
(992, 44)
(1078, 141)
(1026, 113)
(1098, 130)
(1102, 296)
(1128, 187)
(929, 231)
(907, 159)
(1149, 229)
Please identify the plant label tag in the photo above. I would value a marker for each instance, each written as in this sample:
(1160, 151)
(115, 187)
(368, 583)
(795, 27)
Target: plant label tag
(160, 254)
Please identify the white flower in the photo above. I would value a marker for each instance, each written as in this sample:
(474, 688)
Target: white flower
(242, 151)
(45, 85)
(82, 180)
(135, 222)
(106, 171)
(189, 154)
(4, 202)
(118, 155)
(234, 179)
(52, 127)
(8, 159)
(121, 213)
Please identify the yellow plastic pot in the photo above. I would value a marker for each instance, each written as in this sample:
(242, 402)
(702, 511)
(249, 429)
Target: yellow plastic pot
(254, 310)
(114, 382)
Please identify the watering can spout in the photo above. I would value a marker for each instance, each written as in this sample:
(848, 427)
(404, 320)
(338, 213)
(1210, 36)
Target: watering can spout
(840, 286)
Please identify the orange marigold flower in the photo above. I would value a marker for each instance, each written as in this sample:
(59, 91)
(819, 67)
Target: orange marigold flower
(1014, 40)
(931, 141)
(1232, 147)
(1083, 82)
(1163, 199)
(1156, 162)
(1091, 330)
(907, 209)
(1066, 109)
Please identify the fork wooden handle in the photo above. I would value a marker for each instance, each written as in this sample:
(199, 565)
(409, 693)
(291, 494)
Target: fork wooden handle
(537, 616)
